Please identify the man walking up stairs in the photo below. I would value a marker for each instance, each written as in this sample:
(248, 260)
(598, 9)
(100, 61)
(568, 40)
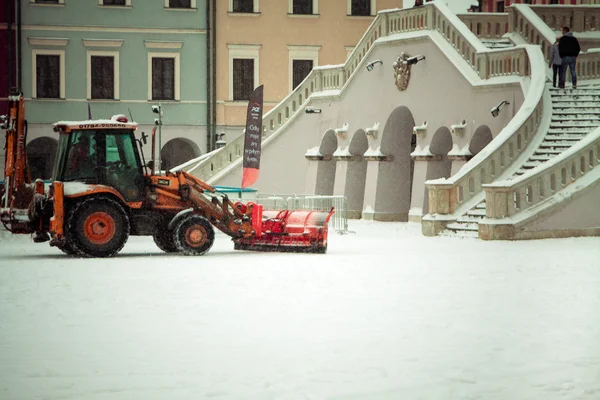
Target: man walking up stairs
(569, 49)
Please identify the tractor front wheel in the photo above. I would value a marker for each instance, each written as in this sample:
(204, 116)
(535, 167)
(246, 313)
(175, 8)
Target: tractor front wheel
(164, 240)
(97, 227)
(66, 248)
(193, 235)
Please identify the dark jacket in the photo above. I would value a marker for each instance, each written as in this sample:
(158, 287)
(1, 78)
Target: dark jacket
(568, 46)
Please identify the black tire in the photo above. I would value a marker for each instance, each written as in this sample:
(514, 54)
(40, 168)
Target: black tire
(193, 235)
(97, 227)
(164, 240)
(66, 248)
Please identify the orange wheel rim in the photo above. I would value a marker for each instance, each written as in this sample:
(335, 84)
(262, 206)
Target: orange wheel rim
(99, 228)
(195, 236)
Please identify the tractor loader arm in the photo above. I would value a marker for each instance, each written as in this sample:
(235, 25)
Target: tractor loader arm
(231, 219)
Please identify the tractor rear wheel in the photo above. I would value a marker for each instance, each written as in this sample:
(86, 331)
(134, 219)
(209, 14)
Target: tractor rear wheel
(193, 235)
(164, 240)
(97, 227)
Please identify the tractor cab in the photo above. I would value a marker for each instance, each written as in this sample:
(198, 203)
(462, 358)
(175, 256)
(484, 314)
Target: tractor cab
(101, 152)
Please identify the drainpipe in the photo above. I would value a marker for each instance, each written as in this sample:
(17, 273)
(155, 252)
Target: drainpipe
(10, 45)
(214, 72)
(208, 111)
(19, 80)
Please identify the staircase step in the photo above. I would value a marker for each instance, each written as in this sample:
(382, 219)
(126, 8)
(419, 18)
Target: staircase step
(532, 164)
(572, 131)
(476, 212)
(588, 96)
(588, 125)
(575, 108)
(563, 137)
(470, 219)
(462, 234)
(463, 226)
(546, 151)
(542, 157)
(480, 206)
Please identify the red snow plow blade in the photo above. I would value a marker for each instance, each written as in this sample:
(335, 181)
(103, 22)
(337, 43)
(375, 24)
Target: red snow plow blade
(287, 231)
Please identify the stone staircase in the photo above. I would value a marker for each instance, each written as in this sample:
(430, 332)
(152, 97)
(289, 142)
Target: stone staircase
(575, 113)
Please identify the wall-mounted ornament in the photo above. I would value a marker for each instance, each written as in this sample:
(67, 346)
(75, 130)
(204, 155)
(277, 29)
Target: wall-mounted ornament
(342, 132)
(420, 129)
(401, 71)
(372, 132)
(459, 129)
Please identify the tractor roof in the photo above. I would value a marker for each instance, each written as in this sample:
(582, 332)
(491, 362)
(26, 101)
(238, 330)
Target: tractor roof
(116, 122)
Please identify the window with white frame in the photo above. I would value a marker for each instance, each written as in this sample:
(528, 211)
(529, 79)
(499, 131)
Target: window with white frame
(362, 7)
(103, 75)
(243, 6)
(303, 7)
(163, 76)
(243, 71)
(180, 4)
(48, 74)
(302, 60)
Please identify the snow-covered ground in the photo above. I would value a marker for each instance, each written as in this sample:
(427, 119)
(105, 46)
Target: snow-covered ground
(385, 314)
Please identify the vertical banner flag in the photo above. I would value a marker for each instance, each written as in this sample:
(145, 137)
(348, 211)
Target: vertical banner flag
(252, 140)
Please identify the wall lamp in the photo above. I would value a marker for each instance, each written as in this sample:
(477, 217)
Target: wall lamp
(312, 110)
(496, 110)
(372, 64)
(414, 60)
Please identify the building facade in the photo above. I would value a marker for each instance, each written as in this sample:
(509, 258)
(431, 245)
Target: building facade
(500, 5)
(276, 43)
(106, 57)
(8, 54)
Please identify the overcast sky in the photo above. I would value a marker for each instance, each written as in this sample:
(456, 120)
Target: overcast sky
(458, 6)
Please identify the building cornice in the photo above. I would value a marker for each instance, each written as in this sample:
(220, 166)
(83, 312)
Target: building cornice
(161, 44)
(74, 28)
(102, 42)
(44, 41)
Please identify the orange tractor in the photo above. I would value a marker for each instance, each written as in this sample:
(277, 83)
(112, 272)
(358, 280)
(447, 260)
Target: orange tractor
(103, 191)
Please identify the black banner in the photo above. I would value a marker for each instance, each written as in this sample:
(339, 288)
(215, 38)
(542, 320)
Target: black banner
(253, 136)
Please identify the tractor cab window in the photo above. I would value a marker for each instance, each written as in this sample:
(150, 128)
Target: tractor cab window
(123, 168)
(80, 158)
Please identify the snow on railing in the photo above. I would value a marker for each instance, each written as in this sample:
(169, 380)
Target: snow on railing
(486, 25)
(580, 18)
(509, 197)
(447, 194)
(331, 80)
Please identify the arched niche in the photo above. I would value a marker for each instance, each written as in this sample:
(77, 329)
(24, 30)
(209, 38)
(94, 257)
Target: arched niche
(41, 153)
(480, 139)
(178, 151)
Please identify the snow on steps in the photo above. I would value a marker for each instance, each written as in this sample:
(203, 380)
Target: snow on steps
(497, 43)
(567, 127)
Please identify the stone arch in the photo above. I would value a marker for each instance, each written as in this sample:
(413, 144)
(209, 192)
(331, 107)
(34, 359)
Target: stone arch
(394, 180)
(440, 166)
(356, 177)
(326, 167)
(41, 153)
(177, 151)
(480, 139)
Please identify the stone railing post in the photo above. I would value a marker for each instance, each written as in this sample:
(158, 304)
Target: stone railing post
(440, 199)
(578, 21)
(498, 202)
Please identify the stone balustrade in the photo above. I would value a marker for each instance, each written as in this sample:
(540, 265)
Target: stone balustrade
(579, 18)
(486, 25)
(504, 199)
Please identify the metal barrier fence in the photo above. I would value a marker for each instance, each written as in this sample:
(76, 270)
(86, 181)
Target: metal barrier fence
(339, 220)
